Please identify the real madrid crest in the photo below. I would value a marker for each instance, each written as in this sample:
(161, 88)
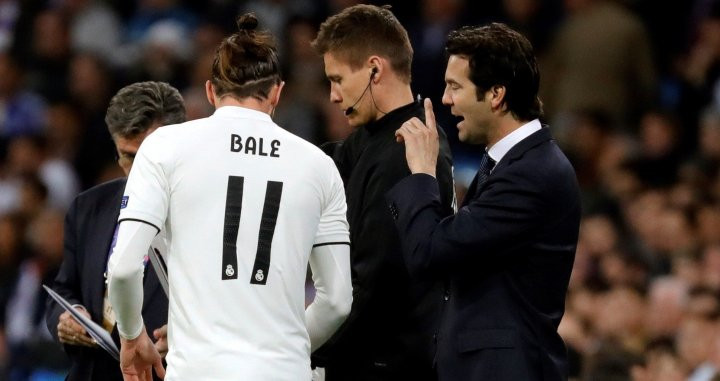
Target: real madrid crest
(259, 276)
(229, 271)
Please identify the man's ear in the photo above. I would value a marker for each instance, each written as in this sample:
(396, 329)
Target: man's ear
(210, 92)
(275, 92)
(497, 96)
(377, 68)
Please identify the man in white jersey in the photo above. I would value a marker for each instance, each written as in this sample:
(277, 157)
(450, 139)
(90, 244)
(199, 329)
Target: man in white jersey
(245, 205)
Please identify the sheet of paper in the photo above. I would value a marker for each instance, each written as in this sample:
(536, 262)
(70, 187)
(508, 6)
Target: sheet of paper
(97, 332)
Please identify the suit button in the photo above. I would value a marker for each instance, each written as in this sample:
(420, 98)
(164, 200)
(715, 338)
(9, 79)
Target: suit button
(393, 211)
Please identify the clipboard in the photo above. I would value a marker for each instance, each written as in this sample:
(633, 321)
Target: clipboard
(98, 333)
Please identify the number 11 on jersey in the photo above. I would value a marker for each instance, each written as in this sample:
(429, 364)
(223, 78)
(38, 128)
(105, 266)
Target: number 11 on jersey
(233, 211)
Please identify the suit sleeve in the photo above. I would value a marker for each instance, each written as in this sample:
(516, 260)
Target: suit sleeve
(506, 215)
(67, 281)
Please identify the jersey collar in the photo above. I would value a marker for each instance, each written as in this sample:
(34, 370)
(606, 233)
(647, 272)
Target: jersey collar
(241, 112)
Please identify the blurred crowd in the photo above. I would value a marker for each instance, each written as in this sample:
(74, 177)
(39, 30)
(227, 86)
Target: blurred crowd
(631, 90)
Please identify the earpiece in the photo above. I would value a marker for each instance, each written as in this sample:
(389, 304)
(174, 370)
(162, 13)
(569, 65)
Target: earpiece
(351, 109)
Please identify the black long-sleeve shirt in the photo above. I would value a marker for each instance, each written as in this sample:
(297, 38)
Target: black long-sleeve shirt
(389, 330)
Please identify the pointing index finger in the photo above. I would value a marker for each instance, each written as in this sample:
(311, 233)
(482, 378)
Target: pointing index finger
(429, 114)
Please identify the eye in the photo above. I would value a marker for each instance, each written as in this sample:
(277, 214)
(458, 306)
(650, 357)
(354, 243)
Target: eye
(452, 86)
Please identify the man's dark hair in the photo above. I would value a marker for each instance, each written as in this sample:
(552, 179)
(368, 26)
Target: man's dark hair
(246, 64)
(500, 56)
(135, 108)
(363, 30)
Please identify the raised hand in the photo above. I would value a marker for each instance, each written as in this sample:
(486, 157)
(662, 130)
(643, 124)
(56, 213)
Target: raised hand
(421, 142)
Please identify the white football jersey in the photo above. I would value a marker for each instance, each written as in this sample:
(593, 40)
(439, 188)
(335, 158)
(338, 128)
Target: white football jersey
(242, 202)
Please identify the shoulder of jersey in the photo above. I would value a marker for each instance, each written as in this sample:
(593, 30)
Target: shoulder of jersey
(309, 148)
(190, 124)
(174, 129)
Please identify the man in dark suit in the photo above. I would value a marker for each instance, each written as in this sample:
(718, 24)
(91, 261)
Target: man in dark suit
(508, 252)
(90, 232)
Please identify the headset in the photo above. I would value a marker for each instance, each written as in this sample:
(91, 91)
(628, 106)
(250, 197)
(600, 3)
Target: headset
(351, 109)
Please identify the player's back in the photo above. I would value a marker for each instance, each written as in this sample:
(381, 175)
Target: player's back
(245, 201)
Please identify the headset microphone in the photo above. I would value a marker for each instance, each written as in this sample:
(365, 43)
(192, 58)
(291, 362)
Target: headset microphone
(351, 109)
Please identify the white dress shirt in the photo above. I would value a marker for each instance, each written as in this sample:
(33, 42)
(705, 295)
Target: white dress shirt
(504, 145)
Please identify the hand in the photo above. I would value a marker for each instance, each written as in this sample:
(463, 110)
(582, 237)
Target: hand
(138, 357)
(71, 332)
(161, 344)
(421, 142)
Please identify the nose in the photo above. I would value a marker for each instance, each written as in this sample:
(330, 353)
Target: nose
(335, 96)
(446, 98)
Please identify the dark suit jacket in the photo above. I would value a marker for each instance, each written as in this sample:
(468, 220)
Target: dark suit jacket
(506, 255)
(89, 227)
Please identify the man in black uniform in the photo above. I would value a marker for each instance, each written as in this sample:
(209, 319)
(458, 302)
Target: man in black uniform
(388, 334)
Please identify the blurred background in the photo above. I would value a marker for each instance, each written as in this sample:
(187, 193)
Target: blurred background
(631, 91)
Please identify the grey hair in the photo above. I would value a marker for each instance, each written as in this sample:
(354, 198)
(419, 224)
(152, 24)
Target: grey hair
(136, 107)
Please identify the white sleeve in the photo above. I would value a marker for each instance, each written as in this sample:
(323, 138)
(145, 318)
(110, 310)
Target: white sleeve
(333, 226)
(126, 268)
(330, 266)
(147, 193)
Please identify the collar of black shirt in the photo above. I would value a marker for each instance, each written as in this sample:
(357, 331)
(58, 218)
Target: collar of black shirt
(396, 117)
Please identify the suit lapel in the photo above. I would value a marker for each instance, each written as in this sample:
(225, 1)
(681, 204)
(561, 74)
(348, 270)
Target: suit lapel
(515, 153)
(470, 194)
(101, 234)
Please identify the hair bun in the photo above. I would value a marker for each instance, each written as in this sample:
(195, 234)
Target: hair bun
(247, 22)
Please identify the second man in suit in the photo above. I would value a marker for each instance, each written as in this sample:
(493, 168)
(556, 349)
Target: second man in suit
(508, 252)
(90, 229)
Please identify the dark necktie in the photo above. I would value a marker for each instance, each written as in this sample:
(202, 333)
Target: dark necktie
(486, 165)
